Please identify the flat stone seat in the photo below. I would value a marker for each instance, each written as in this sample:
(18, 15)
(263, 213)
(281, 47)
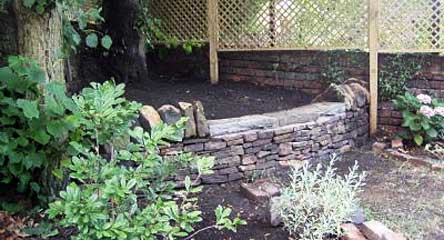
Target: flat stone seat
(241, 124)
(307, 113)
(302, 114)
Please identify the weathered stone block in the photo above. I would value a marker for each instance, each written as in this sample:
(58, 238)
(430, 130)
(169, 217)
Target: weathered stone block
(202, 126)
(149, 117)
(215, 145)
(187, 110)
(248, 159)
(197, 147)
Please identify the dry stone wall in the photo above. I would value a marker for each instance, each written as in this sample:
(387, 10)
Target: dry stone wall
(244, 152)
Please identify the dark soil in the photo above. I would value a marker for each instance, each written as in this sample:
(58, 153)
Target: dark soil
(405, 198)
(225, 100)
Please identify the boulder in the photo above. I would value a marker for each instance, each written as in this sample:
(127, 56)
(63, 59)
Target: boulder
(169, 114)
(149, 117)
(362, 95)
(352, 92)
(187, 110)
(202, 127)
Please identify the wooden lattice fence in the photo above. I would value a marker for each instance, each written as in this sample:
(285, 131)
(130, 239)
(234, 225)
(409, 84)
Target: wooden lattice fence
(247, 25)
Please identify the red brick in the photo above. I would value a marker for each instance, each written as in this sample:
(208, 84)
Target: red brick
(351, 232)
(375, 230)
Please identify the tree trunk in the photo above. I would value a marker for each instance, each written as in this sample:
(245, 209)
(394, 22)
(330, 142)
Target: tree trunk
(40, 38)
(127, 60)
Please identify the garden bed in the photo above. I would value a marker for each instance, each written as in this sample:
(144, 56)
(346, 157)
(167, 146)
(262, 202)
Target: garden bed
(414, 208)
(225, 100)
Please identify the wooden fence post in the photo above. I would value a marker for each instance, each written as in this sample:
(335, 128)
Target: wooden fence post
(373, 43)
(213, 37)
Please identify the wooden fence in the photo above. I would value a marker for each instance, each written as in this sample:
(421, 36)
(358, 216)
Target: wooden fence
(375, 26)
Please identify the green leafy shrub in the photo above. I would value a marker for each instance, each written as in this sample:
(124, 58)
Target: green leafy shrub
(128, 193)
(35, 124)
(396, 72)
(316, 202)
(423, 117)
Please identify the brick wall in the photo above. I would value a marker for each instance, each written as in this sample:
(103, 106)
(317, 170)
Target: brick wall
(8, 43)
(304, 70)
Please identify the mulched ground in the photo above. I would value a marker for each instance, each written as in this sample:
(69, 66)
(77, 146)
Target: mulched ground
(405, 198)
(225, 100)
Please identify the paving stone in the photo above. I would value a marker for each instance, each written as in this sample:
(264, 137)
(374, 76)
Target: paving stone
(374, 230)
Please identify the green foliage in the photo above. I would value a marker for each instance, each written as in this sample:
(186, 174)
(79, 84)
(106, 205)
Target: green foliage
(396, 72)
(151, 29)
(128, 193)
(72, 30)
(318, 201)
(335, 69)
(35, 123)
(424, 120)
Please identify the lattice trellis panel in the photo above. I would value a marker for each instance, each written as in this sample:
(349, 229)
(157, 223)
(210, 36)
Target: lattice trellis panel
(411, 24)
(182, 19)
(262, 24)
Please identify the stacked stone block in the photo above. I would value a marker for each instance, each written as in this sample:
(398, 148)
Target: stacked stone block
(241, 155)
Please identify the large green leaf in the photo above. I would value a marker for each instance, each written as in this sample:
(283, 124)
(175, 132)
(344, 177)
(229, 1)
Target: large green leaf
(106, 42)
(56, 128)
(432, 133)
(92, 40)
(30, 108)
(41, 136)
(419, 140)
(28, 3)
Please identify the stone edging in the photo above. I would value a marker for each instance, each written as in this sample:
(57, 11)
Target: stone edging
(433, 164)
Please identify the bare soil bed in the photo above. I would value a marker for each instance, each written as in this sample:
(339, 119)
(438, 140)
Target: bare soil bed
(407, 199)
(225, 100)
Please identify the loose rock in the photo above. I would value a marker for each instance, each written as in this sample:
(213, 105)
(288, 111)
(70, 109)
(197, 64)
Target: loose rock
(149, 117)
(169, 114)
(187, 110)
(203, 129)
